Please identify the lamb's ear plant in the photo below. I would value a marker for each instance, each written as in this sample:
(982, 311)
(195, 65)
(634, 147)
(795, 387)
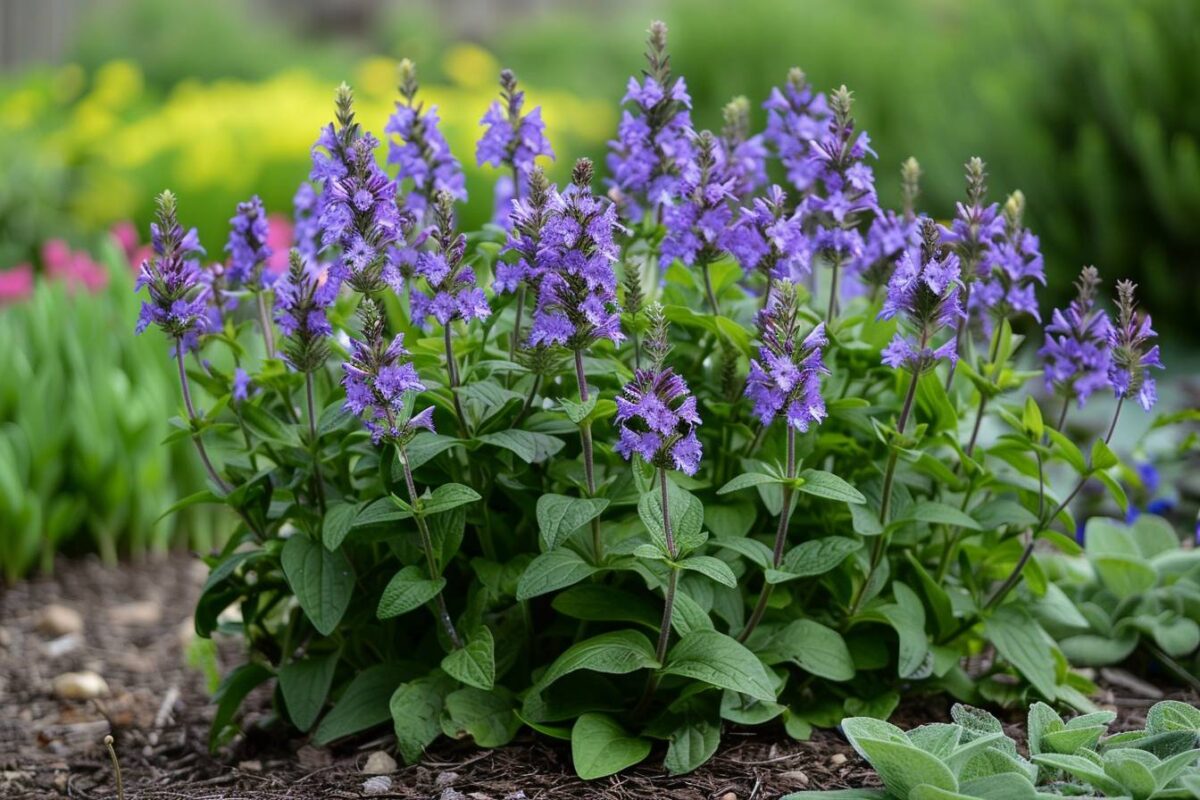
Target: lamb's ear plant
(973, 758)
(463, 514)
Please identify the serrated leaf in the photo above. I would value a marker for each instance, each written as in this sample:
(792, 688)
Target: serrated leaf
(818, 556)
(687, 518)
(578, 412)
(475, 662)
(721, 661)
(600, 747)
(416, 709)
(559, 516)
(322, 581)
(829, 486)
(408, 589)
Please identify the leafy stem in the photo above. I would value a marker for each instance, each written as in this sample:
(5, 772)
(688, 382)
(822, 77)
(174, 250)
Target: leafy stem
(589, 466)
(664, 628)
(191, 412)
(452, 376)
(314, 447)
(264, 321)
(780, 538)
(708, 288)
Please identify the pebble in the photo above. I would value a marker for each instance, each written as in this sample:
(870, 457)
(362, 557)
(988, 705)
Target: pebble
(379, 763)
(837, 759)
(57, 620)
(796, 776)
(80, 686)
(56, 648)
(142, 612)
(380, 784)
(452, 794)
(729, 796)
(5, 637)
(311, 758)
(250, 766)
(446, 779)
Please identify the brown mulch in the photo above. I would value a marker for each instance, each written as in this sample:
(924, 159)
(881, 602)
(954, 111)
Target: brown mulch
(158, 711)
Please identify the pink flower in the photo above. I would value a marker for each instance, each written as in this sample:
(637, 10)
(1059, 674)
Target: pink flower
(16, 283)
(74, 268)
(126, 235)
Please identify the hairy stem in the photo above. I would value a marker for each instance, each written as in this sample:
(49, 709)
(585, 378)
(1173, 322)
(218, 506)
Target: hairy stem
(785, 516)
(442, 612)
(318, 480)
(589, 466)
(708, 289)
(264, 320)
(833, 291)
(452, 375)
(191, 412)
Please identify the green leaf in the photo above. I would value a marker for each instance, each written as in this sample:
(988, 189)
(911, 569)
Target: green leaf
(416, 709)
(689, 615)
(266, 427)
(559, 516)
(815, 648)
(1068, 451)
(1102, 456)
(606, 604)
(551, 571)
(427, 446)
(446, 497)
(488, 717)
(530, 447)
(363, 705)
(695, 737)
(408, 589)
(687, 518)
(1020, 641)
(1081, 768)
(907, 617)
(1173, 715)
(942, 514)
(747, 480)
(721, 661)
(900, 765)
(818, 556)
(714, 568)
(305, 685)
(613, 653)
(831, 487)
(204, 496)
(1032, 419)
(578, 412)
(475, 662)
(600, 747)
(322, 581)
(339, 519)
(229, 696)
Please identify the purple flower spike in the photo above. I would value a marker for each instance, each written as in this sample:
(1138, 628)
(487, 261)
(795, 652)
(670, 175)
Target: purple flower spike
(178, 295)
(745, 155)
(452, 293)
(924, 292)
(301, 300)
(247, 246)
(421, 154)
(378, 377)
(1133, 351)
(653, 142)
(306, 232)
(796, 115)
(577, 299)
(527, 224)
(769, 239)
(698, 225)
(976, 224)
(512, 140)
(787, 375)
(1011, 266)
(1075, 354)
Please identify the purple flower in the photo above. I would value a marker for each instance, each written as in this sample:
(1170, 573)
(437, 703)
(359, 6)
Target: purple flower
(1133, 352)
(889, 236)
(1010, 266)
(698, 224)
(421, 154)
(771, 240)
(301, 299)
(452, 293)
(247, 246)
(924, 292)
(657, 420)
(306, 233)
(178, 296)
(1075, 353)
(512, 140)
(653, 142)
(787, 374)
(577, 299)
(843, 186)
(527, 223)
(241, 385)
(975, 224)
(745, 155)
(796, 115)
(377, 379)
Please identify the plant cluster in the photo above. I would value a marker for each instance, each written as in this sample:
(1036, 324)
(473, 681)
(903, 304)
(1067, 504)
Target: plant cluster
(731, 467)
(972, 757)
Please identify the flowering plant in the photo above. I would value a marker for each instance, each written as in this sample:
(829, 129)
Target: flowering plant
(729, 466)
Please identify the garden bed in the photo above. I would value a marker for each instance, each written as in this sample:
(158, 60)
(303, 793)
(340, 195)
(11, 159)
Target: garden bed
(136, 626)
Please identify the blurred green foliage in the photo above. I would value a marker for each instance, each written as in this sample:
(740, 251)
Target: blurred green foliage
(83, 407)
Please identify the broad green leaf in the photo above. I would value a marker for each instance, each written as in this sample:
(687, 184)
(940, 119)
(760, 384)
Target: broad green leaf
(600, 747)
(901, 766)
(721, 661)
(825, 484)
(488, 717)
(818, 556)
(551, 571)
(1173, 715)
(1081, 768)
(322, 581)
(1102, 456)
(305, 685)
(687, 518)
(427, 446)
(747, 480)
(578, 412)
(815, 648)
(907, 617)
(1032, 419)
(1021, 642)
(229, 696)
(614, 653)
(606, 604)
(756, 551)
(712, 567)
(363, 705)
(475, 662)
(339, 519)
(695, 738)
(416, 709)
(408, 589)
(559, 516)
(446, 497)
(530, 447)
(689, 615)
(940, 513)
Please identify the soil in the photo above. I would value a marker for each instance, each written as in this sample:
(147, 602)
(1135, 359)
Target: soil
(136, 631)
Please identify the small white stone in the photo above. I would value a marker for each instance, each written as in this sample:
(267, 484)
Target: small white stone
(142, 612)
(379, 763)
(795, 776)
(837, 759)
(446, 779)
(380, 784)
(57, 648)
(57, 620)
(80, 686)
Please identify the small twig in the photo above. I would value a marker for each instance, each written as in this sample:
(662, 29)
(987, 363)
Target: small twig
(112, 753)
